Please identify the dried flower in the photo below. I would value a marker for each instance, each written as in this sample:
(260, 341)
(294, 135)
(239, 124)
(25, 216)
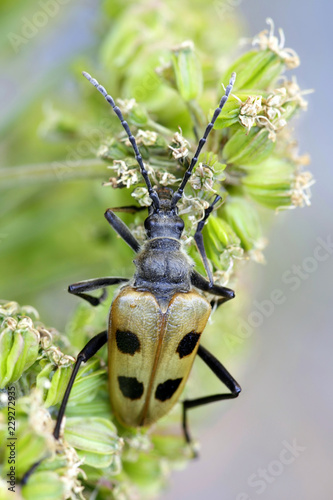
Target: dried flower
(180, 146)
(267, 40)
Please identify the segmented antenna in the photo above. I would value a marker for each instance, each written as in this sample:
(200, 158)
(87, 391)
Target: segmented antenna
(179, 193)
(152, 193)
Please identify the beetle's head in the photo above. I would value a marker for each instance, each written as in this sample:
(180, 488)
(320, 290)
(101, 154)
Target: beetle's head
(164, 221)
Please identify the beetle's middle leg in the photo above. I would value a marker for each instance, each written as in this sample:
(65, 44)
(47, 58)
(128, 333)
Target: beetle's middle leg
(94, 284)
(225, 377)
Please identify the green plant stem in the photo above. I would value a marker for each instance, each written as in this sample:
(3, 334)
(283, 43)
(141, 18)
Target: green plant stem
(160, 128)
(50, 172)
(162, 163)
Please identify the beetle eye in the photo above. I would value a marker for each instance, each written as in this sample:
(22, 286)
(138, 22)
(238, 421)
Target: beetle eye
(149, 224)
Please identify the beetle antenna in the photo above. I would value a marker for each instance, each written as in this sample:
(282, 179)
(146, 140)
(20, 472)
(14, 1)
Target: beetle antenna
(152, 193)
(179, 193)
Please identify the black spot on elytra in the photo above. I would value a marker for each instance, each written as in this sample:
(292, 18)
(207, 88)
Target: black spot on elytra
(187, 344)
(167, 389)
(127, 342)
(130, 387)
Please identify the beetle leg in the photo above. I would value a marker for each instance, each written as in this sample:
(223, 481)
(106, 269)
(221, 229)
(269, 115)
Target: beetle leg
(202, 284)
(225, 378)
(215, 303)
(120, 227)
(94, 284)
(87, 352)
(198, 238)
(130, 209)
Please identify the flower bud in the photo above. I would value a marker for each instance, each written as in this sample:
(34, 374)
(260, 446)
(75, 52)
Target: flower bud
(222, 247)
(278, 184)
(244, 221)
(116, 150)
(141, 195)
(19, 344)
(98, 407)
(242, 149)
(220, 236)
(55, 388)
(94, 438)
(88, 381)
(229, 115)
(256, 69)
(260, 69)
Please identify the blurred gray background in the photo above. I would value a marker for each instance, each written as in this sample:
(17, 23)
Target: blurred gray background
(275, 441)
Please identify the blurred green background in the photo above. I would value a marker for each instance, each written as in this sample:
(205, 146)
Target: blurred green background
(56, 234)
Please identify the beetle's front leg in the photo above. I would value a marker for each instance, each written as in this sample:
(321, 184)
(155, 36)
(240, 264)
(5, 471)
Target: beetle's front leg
(198, 238)
(120, 227)
(225, 377)
(94, 284)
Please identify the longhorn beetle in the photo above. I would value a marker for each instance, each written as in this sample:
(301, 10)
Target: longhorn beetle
(156, 318)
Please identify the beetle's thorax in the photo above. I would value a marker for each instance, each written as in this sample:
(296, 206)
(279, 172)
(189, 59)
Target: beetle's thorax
(163, 268)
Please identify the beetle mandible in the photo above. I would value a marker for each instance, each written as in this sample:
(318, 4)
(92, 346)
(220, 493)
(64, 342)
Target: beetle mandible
(157, 317)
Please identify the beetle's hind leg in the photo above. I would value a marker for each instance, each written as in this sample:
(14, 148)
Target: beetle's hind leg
(81, 287)
(225, 377)
(91, 348)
